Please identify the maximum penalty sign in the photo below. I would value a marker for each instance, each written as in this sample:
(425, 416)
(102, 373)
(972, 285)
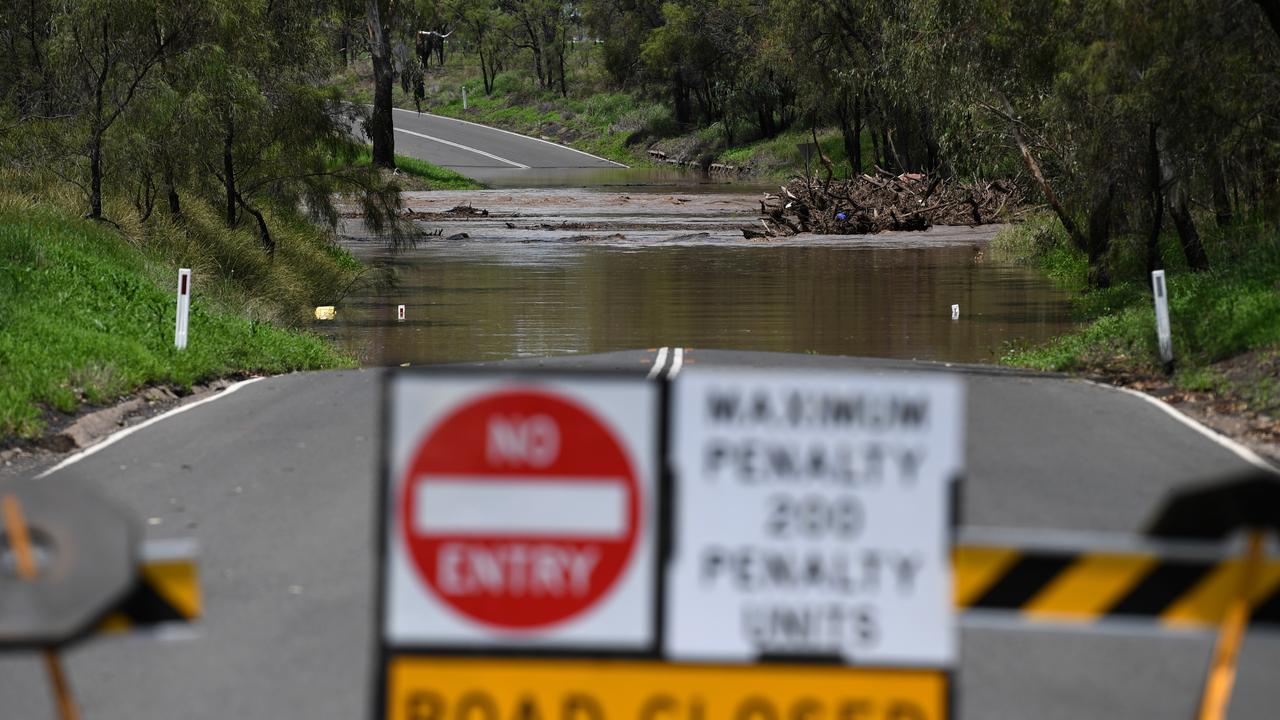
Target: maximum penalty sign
(813, 517)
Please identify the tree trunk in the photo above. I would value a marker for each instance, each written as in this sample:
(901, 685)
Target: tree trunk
(564, 87)
(933, 152)
(876, 149)
(95, 175)
(380, 128)
(848, 138)
(263, 233)
(229, 172)
(1078, 238)
(484, 67)
(1271, 8)
(1192, 245)
(1180, 211)
(171, 190)
(680, 99)
(856, 159)
(1099, 240)
(1222, 214)
(95, 149)
(1155, 195)
(535, 46)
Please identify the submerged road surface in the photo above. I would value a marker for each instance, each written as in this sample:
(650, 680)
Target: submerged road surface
(277, 482)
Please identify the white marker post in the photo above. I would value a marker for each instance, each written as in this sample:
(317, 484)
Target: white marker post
(184, 308)
(955, 312)
(1163, 335)
(464, 97)
(400, 313)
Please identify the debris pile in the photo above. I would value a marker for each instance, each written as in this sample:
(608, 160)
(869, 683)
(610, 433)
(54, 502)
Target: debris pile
(459, 212)
(867, 204)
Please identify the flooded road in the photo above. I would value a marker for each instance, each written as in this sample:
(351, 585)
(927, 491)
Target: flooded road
(552, 272)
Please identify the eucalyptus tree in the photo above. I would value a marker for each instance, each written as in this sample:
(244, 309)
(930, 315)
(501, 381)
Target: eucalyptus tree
(25, 72)
(104, 52)
(544, 29)
(488, 30)
(276, 135)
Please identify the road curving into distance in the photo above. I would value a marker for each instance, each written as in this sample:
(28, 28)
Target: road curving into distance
(469, 147)
(276, 481)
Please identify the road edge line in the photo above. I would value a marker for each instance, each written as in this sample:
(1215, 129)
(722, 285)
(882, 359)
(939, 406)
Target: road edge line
(1244, 453)
(122, 434)
(519, 135)
(467, 148)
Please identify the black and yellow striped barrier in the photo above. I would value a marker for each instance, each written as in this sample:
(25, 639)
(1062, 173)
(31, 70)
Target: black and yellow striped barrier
(1081, 579)
(167, 593)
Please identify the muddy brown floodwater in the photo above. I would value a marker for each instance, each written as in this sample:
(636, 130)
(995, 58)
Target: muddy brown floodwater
(557, 271)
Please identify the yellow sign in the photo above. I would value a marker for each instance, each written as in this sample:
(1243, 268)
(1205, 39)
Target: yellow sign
(434, 688)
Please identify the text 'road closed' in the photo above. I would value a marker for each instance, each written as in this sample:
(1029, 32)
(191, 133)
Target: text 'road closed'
(473, 689)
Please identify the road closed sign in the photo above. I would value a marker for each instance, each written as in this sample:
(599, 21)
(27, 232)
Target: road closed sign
(521, 512)
(507, 689)
(813, 517)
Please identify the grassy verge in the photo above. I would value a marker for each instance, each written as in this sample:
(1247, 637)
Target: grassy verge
(89, 308)
(1230, 312)
(422, 175)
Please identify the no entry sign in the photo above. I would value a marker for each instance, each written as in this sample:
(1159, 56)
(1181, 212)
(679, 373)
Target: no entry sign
(522, 511)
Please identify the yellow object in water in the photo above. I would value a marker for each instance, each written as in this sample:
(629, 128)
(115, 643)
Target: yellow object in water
(326, 312)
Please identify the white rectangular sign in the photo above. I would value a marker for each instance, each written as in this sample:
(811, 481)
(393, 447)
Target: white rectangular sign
(521, 511)
(184, 308)
(1163, 335)
(812, 516)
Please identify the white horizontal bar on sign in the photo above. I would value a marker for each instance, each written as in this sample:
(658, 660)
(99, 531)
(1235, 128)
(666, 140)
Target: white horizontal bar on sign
(546, 507)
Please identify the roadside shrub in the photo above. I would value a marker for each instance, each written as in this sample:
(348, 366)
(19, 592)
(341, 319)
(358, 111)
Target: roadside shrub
(509, 82)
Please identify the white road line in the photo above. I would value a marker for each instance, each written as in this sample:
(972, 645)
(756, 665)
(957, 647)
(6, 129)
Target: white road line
(117, 437)
(491, 156)
(516, 134)
(1243, 452)
(677, 362)
(658, 362)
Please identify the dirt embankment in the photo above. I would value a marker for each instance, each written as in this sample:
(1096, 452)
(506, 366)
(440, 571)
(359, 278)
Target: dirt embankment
(71, 432)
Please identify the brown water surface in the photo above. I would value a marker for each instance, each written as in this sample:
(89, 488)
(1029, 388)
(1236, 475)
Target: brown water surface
(629, 282)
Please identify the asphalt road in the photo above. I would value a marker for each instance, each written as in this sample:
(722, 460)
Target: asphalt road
(277, 482)
(473, 149)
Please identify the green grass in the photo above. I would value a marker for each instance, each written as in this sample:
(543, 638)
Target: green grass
(89, 310)
(1215, 315)
(780, 157)
(608, 124)
(428, 176)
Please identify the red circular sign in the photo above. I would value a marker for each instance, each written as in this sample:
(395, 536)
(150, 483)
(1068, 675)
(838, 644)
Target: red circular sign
(520, 509)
